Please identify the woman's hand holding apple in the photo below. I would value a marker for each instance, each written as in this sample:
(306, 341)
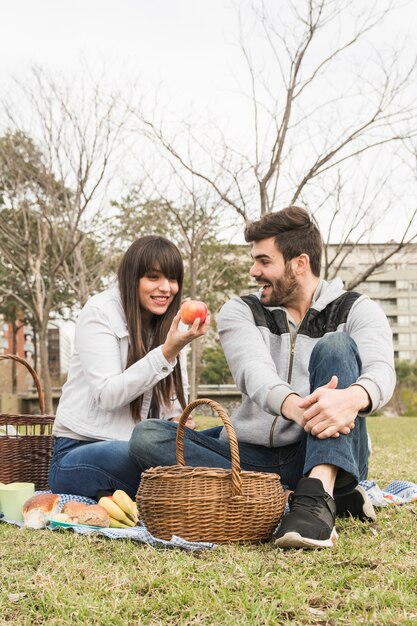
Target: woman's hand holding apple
(192, 309)
(177, 339)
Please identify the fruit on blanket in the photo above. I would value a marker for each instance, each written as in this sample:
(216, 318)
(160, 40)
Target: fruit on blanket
(191, 309)
(115, 523)
(122, 499)
(115, 511)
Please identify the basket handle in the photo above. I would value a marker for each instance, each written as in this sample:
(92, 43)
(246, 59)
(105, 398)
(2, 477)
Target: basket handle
(34, 375)
(234, 448)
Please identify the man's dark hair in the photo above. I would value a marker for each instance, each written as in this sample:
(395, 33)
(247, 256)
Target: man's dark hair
(294, 233)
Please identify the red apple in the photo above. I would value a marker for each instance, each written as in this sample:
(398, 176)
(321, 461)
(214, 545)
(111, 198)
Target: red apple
(191, 309)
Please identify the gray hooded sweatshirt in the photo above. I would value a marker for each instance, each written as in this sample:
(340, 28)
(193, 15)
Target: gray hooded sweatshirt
(268, 361)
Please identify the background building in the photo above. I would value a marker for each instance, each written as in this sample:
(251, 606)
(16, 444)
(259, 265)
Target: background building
(393, 287)
(59, 352)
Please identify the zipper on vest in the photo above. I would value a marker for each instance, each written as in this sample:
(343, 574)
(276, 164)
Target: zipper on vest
(291, 361)
(271, 432)
(292, 344)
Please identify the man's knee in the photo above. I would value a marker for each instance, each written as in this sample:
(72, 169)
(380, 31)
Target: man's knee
(334, 354)
(336, 344)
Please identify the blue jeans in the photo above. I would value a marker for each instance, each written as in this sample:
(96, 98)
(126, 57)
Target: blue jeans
(85, 468)
(153, 442)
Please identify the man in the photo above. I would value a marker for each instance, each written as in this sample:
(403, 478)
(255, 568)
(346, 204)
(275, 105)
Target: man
(311, 361)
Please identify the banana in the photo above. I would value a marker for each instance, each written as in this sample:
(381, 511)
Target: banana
(115, 523)
(115, 511)
(127, 505)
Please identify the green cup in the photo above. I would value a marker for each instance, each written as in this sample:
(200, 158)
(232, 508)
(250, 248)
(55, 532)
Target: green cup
(12, 498)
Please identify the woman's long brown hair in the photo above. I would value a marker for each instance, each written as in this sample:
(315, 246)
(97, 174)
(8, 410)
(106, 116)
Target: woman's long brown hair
(144, 255)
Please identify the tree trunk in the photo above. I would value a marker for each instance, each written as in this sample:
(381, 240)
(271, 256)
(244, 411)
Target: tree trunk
(14, 351)
(199, 353)
(45, 376)
(193, 371)
(35, 347)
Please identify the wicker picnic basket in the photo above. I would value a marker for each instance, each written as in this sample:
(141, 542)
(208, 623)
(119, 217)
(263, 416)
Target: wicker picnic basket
(210, 504)
(26, 441)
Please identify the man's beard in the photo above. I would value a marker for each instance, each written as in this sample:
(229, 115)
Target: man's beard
(284, 290)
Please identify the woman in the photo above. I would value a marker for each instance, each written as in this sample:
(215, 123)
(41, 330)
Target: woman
(127, 366)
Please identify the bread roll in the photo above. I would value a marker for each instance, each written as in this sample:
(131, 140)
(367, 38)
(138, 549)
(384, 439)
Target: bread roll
(94, 515)
(38, 508)
(61, 517)
(73, 510)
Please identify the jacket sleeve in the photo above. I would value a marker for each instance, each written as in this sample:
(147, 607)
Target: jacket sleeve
(98, 345)
(249, 359)
(367, 324)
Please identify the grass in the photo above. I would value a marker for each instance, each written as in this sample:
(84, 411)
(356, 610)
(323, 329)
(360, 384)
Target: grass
(369, 577)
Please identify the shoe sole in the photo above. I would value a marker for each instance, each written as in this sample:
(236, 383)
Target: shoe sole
(295, 540)
(359, 506)
(368, 507)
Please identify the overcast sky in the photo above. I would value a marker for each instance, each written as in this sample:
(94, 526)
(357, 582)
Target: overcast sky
(188, 46)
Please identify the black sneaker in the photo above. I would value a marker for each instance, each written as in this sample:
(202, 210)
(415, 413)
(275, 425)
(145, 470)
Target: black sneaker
(355, 504)
(310, 521)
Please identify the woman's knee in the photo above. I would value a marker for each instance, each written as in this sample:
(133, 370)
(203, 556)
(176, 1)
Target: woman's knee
(151, 434)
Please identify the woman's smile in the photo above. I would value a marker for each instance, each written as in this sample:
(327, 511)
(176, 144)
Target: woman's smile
(156, 292)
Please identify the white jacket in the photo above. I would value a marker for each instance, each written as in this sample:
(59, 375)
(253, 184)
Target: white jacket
(95, 401)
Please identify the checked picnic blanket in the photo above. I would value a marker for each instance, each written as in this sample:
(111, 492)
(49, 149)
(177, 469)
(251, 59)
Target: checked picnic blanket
(137, 533)
(398, 492)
